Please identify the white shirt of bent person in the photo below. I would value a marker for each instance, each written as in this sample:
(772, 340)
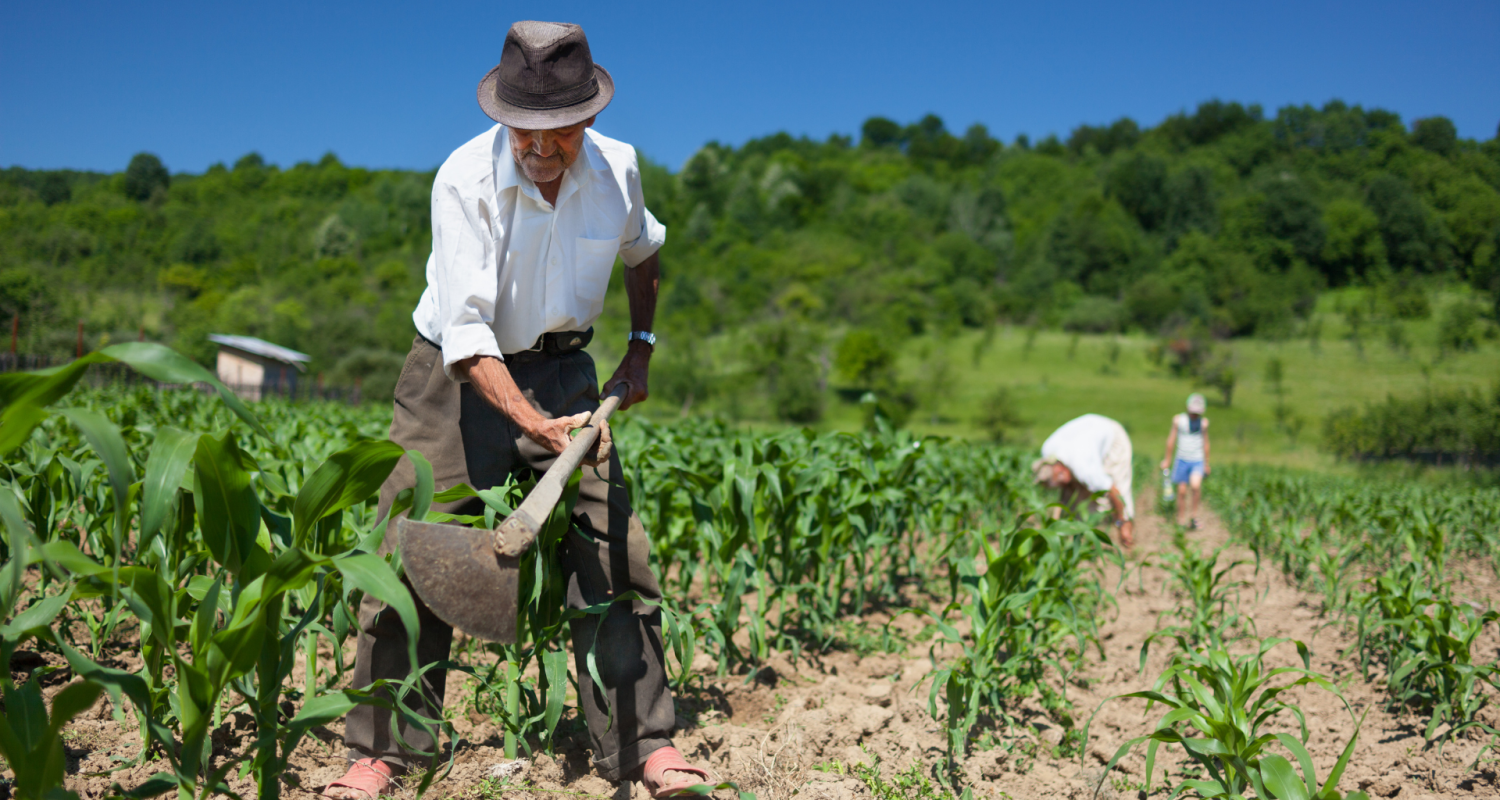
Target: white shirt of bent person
(1082, 445)
(507, 266)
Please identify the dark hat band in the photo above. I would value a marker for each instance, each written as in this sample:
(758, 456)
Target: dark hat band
(544, 100)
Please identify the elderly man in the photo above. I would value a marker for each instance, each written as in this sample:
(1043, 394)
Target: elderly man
(527, 220)
(1087, 455)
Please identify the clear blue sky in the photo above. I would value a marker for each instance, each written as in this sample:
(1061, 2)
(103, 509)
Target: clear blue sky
(388, 84)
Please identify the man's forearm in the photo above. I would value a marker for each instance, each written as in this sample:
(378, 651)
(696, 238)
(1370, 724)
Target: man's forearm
(492, 380)
(640, 288)
(641, 283)
(1117, 501)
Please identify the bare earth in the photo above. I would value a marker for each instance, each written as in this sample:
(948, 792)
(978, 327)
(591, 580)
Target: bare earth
(767, 732)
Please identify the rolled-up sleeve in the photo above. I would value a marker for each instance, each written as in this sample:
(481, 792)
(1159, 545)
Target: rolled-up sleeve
(643, 234)
(463, 277)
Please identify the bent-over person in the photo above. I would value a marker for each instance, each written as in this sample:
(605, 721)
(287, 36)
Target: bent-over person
(1087, 455)
(527, 220)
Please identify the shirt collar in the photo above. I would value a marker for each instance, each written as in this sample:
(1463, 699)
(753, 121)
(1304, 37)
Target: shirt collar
(507, 175)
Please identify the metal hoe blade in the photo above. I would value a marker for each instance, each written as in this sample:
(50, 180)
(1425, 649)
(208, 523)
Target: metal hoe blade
(458, 574)
(470, 577)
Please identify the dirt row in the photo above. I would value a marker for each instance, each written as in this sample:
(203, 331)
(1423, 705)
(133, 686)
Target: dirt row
(796, 728)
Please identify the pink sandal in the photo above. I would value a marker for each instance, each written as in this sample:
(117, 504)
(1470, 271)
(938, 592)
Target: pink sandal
(665, 760)
(369, 775)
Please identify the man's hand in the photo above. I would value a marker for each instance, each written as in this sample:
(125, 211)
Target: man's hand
(492, 380)
(633, 370)
(553, 434)
(1164, 463)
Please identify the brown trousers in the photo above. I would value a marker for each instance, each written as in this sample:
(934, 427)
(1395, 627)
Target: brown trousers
(604, 555)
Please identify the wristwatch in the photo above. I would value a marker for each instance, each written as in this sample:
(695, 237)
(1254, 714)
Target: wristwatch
(645, 336)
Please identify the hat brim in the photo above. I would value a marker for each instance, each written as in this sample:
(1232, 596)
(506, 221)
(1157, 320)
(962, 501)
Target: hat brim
(541, 119)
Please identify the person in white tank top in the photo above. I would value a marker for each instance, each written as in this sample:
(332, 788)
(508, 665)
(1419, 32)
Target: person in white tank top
(1189, 437)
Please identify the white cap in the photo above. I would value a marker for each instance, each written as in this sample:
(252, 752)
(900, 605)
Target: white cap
(1196, 404)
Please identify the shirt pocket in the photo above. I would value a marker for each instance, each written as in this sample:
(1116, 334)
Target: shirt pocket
(594, 260)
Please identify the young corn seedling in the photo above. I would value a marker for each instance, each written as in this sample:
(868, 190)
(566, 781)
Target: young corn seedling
(235, 625)
(1218, 710)
(1425, 641)
(1031, 609)
(1210, 612)
(1334, 565)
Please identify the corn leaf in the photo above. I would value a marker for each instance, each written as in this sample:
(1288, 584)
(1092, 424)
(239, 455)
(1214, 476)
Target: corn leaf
(347, 477)
(170, 455)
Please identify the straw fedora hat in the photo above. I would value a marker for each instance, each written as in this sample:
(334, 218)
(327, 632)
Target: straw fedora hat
(546, 78)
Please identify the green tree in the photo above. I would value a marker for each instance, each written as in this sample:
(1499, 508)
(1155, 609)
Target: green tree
(880, 132)
(1435, 134)
(1291, 214)
(145, 176)
(1000, 415)
(1139, 183)
(865, 359)
(24, 293)
(1354, 247)
(1411, 237)
(1191, 203)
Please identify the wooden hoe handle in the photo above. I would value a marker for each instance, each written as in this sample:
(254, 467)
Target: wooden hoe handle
(520, 529)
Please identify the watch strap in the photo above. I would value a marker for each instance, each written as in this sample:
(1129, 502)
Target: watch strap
(645, 336)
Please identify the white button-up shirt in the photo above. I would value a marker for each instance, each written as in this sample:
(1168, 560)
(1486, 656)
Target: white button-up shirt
(1082, 445)
(507, 266)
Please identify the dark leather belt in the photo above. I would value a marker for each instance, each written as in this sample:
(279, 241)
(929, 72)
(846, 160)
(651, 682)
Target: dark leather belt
(556, 343)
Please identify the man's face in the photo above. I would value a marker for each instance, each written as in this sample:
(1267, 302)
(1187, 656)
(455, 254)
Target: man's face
(1061, 476)
(544, 155)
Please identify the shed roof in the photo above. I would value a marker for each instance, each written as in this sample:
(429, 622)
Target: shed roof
(261, 347)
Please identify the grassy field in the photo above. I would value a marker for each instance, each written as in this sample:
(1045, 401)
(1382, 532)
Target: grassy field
(1060, 375)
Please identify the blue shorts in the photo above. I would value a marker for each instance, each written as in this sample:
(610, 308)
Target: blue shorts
(1185, 470)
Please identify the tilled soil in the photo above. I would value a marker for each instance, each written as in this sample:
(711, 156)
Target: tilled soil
(796, 728)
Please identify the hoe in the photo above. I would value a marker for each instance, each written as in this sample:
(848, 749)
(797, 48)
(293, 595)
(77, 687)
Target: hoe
(470, 577)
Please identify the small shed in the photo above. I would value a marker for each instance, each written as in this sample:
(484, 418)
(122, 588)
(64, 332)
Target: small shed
(253, 367)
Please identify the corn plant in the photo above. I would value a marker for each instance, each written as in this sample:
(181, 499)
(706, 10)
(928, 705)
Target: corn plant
(1334, 564)
(1406, 620)
(1032, 608)
(1425, 641)
(236, 619)
(814, 528)
(1219, 710)
(30, 736)
(233, 544)
(1209, 613)
(1391, 521)
(530, 710)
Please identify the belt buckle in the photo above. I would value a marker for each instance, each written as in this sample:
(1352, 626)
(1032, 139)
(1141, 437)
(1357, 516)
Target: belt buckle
(541, 343)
